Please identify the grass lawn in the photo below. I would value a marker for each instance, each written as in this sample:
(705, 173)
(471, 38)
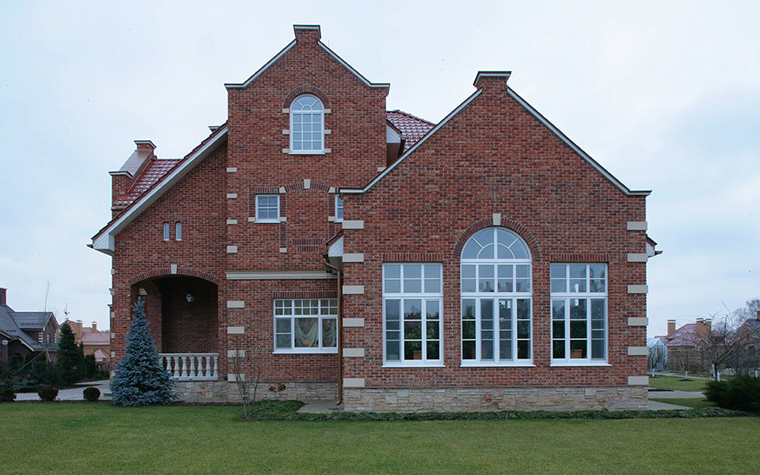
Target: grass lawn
(693, 403)
(97, 438)
(675, 383)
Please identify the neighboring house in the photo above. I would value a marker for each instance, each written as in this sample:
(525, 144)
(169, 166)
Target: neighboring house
(94, 342)
(26, 333)
(747, 358)
(658, 354)
(686, 346)
(378, 259)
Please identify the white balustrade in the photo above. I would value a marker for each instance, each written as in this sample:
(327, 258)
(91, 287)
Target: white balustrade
(191, 366)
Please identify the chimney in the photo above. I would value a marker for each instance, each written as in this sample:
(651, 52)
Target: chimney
(124, 177)
(671, 327)
(3, 296)
(758, 312)
(703, 329)
(94, 326)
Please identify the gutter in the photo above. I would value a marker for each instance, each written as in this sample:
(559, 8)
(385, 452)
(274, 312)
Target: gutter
(326, 261)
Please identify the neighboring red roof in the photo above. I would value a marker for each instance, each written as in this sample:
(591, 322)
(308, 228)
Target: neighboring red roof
(684, 336)
(92, 338)
(100, 355)
(152, 172)
(412, 128)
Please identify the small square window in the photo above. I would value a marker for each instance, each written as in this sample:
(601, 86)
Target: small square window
(338, 209)
(267, 208)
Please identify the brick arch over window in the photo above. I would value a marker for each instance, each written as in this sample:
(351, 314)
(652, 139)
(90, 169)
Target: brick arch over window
(508, 223)
(167, 272)
(307, 89)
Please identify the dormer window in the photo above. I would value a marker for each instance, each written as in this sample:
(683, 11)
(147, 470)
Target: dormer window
(307, 125)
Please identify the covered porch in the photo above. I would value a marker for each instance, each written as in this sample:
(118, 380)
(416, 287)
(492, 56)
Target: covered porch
(183, 317)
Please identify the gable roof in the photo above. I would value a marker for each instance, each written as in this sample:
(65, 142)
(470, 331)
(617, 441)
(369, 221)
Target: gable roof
(535, 114)
(10, 328)
(32, 320)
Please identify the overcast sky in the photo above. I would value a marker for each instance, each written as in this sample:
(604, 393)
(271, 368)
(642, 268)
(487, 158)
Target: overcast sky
(665, 95)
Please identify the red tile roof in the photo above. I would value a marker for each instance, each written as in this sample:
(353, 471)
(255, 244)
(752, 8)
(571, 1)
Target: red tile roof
(92, 338)
(412, 128)
(152, 172)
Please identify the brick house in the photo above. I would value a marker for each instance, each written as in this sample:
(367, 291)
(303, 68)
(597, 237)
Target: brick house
(377, 259)
(686, 346)
(94, 342)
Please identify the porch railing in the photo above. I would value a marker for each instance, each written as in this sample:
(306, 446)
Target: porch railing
(191, 366)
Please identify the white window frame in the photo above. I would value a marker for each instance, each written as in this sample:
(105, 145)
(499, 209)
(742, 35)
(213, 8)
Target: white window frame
(497, 296)
(338, 206)
(258, 218)
(312, 114)
(567, 296)
(167, 231)
(425, 298)
(327, 310)
(178, 230)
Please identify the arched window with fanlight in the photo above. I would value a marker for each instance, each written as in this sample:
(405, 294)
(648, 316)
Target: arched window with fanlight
(496, 299)
(307, 125)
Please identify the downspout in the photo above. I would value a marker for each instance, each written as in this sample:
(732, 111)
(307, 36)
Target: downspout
(340, 327)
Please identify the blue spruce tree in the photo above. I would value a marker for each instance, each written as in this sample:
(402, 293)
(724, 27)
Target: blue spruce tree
(140, 380)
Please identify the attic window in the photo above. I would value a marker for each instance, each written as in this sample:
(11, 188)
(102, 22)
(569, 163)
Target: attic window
(307, 125)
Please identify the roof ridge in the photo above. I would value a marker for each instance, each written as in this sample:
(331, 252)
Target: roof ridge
(399, 111)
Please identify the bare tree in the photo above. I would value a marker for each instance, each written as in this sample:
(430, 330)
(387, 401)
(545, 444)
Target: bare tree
(656, 356)
(720, 347)
(684, 357)
(748, 312)
(247, 386)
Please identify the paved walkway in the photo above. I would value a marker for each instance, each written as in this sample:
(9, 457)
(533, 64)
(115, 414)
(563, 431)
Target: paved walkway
(73, 394)
(677, 394)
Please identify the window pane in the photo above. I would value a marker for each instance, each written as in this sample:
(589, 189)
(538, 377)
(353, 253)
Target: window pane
(283, 341)
(433, 286)
(329, 333)
(432, 330)
(282, 325)
(468, 330)
(307, 332)
(412, 309)
(412, 330)
(523, 329)
(558, 349)
(505, 346)
(468, 350)
(468, 309)
(558, 271)
(393, 286)
(485, 278)
(578, 309)
(392, 271)
(578, 329)
(597, 349)
(412, 271)
(432, 309)
(433, 350)
(559, 285)
(578, 348)
(412, 350)
(577, 285)
(392, 310)
(577, 271)
(523, 349)
(558, 329)
(413, 286)
(392, 350)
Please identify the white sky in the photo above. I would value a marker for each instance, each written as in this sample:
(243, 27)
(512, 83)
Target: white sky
(665, 95)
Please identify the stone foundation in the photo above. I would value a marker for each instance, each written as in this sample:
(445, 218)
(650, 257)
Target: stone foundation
(223, 391)
(494, 399)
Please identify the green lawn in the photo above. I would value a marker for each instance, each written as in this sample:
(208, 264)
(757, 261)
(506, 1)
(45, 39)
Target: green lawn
(693, 403)
(675, 383)
(99, 439)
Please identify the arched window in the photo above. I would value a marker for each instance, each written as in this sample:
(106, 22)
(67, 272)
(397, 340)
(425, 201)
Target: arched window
(307, 125)
(496, 299)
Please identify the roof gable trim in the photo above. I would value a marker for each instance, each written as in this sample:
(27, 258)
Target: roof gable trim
(574, 147)
(261, 69)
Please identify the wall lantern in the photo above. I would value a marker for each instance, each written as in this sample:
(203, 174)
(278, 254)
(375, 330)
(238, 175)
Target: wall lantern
(190, 298)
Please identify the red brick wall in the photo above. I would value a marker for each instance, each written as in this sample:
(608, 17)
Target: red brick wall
(494, 157)
(141, 254)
